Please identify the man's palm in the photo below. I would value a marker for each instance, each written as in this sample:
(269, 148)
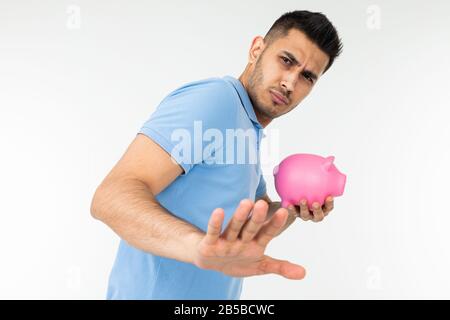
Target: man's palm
(239, 250)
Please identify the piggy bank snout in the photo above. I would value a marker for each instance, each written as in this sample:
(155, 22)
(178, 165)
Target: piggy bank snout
(341, 179)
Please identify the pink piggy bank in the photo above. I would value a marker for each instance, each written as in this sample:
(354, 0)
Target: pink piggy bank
(307, 176)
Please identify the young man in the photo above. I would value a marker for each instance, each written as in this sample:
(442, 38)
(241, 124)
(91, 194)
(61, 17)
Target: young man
(169, 207)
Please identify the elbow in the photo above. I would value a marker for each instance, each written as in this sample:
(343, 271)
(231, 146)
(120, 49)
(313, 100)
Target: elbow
(112, 196)
(97, 208)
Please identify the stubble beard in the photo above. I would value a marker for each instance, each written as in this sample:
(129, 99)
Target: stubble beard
(255, 85)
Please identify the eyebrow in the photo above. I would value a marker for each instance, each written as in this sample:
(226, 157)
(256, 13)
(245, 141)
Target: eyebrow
(306, 72)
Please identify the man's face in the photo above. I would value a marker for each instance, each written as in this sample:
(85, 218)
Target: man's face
(288, 67)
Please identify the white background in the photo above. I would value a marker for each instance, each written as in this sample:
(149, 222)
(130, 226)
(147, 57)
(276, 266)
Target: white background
(76, 87)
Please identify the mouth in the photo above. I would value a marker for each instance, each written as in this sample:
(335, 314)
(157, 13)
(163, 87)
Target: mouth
(278, 98)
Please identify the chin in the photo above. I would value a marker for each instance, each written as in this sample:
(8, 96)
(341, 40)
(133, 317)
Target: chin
(272, 112)
(270, 109)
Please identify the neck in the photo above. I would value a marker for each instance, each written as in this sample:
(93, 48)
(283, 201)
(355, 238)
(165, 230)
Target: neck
(262, 119)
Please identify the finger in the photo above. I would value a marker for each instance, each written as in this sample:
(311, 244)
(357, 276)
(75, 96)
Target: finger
(304, 210)
(253, 225)
(283, 268)
(238, 220)
(295, 210)
(272, 228)
(214, 226)
(328, 206)
(317, 212)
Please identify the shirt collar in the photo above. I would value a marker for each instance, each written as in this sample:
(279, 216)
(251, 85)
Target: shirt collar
(245, 99)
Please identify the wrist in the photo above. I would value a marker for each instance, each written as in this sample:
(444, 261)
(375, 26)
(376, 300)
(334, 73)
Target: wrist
(191, 244)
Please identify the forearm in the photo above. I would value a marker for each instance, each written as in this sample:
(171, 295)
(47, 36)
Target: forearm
(130, 209)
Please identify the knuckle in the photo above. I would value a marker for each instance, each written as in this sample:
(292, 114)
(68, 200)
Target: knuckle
(235, 228)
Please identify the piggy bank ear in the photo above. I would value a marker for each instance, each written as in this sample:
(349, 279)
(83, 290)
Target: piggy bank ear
(326, 165)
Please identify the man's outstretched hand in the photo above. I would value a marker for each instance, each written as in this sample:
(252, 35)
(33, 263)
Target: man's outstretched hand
(239, 250)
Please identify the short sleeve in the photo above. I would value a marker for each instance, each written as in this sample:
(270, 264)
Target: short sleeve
(261, 190)
(181, 119)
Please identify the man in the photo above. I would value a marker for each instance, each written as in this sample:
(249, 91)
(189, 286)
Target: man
(189, 223)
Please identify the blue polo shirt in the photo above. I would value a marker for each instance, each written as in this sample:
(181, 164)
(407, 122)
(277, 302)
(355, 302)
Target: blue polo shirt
(210, 128)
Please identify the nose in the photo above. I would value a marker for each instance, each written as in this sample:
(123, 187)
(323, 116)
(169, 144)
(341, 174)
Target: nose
(288, 84)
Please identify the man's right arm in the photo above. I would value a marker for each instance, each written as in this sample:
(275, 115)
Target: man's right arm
(125, 201)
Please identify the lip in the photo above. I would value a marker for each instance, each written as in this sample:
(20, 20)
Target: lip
(278, 97)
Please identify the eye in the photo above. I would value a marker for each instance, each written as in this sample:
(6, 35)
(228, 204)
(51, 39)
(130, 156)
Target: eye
(286, 61)
(308, 78)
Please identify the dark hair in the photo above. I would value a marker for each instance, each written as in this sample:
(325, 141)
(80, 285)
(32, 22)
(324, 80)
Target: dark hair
(314, 25)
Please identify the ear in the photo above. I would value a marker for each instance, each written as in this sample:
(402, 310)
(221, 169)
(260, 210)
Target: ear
(326, 164)
(256, 49)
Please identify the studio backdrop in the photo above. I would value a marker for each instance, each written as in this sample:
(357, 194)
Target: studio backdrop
(79, 78)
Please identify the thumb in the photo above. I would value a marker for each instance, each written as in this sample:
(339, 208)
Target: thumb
(283, 268)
